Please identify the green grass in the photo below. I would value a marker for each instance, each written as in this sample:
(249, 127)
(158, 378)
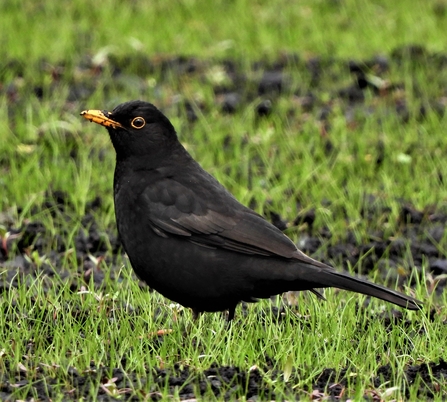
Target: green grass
(249, 29)
(117, 330)
(45, 145)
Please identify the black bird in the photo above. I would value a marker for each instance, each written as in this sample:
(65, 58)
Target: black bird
(188, 238)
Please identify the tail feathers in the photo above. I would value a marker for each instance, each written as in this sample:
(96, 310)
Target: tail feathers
(332, 278)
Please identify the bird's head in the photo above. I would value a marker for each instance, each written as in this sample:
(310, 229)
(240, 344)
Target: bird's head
(136, 128)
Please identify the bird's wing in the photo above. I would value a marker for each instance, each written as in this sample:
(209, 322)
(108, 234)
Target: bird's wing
(211, 217)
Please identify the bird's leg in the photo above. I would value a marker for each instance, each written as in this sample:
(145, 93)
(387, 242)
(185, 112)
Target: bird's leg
(195, 314)
(231, 311)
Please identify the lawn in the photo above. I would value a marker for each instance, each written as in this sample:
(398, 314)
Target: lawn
(327, 117)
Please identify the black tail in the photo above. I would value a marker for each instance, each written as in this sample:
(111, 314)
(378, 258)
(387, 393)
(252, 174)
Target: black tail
(332, 278)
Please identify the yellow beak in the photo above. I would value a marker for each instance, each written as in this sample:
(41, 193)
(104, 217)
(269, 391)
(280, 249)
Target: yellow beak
(97, 116)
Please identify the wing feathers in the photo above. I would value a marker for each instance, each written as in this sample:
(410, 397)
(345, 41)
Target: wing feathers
(213, 220)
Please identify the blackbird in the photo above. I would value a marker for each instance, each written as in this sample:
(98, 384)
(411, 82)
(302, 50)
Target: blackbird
(188, 238)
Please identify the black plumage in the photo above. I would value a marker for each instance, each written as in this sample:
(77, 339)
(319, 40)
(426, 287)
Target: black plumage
(188, 238)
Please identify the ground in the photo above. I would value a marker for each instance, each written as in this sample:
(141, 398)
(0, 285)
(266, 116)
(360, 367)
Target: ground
(419, 229)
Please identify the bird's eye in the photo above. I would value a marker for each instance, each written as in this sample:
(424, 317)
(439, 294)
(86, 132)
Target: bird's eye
(138, 123)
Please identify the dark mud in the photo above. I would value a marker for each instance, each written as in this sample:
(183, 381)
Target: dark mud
(225, 382)
(419, 231)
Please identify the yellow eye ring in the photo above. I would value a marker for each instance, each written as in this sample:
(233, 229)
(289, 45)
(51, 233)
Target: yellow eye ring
(138, 122)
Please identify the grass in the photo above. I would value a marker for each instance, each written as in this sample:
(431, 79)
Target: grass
(243, 28)
(44, 145)
(86, 326)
